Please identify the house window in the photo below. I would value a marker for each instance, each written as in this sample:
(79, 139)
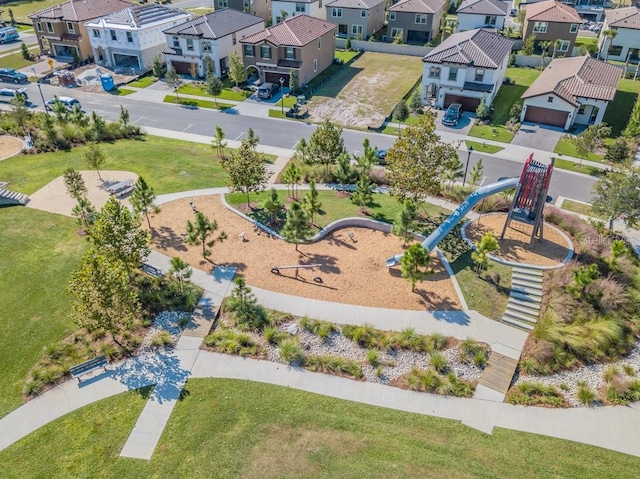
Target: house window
(616, 51)
(363, 13)
(96, 33)
(176, 42)
(206, 47)
(356, 29)
(573, 28)
(223, 3)
(190, 44)
(265, 52)
(453, 74)
(278, 19)
(582, 109)
(421, 18)
(290, 53)
(315, 66)
(245, 5)
(490, 20)
(248, 50)
(564, 45)
(39, 26)
(397, 32)
(540, 27)
(434, 72)
(300, 7)
(479, 74)
(113, 35)
(319, 43)
(129, 37)
(71, 28)
(549, 99)
(49, 27)
(392, 16)
(336, 12)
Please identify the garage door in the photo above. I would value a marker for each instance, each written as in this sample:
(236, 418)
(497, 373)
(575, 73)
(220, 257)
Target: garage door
(274, 77)
(468, 104)
(182, 67)
(546, 116)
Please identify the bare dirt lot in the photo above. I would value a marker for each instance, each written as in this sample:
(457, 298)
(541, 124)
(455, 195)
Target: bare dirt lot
(9, 146)
(351, 272)
(366, 92)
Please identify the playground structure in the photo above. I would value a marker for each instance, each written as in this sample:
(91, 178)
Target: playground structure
(276, 269)
(531, 193)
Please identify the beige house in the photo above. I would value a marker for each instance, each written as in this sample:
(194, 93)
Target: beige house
(61, 31)
(357, 19)
(302, 44)
(417, 21)
(550, 21)
(625, 46)
(571, 91)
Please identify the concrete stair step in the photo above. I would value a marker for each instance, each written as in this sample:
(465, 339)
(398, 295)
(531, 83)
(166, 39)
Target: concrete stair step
(520, 317)
(517, 324)
(520, 296)
(535, 293)
(526, 283)
(525, 303)
(527, 271)
(532, 312)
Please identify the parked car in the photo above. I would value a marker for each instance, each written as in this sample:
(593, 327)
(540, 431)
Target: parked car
(513, 12)
(11, 75)
(452, 115)
(267, 90)
(67, 101)
(382, 157)
(7, 94)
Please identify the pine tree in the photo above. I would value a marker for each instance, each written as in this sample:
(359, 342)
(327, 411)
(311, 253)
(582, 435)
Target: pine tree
(142, 199)
(124, 116)
(252, 138)
(273, 205)
(296, 228)
(413, 264)
(404, 221)
(75, 184)
(291, 176)
(363, 194)
(401, 112)
(476, 173)
(343, 172)
(95, 158)
(237, 73)
(159, 68)
(200, 231)
(247, 170)
(326, 144)
(415, 101)
(214, 87)
(487, 244)
(218, 142)
(85, 212)
(174, 81)
(311, 201)
(365, 161)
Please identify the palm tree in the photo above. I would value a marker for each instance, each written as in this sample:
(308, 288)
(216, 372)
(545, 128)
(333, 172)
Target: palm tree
(545, 47)
(556, 45)
(610, 34)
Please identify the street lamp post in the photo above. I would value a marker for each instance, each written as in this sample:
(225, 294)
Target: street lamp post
(39, 87)
(466, 168)
(282, 90)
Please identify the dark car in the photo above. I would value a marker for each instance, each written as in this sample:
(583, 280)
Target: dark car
(513, 12)
(382, 157)
(452, 115)
(267, 90)
(11, 75)
(7, 94)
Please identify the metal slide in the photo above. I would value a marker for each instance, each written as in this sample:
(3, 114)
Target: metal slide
(447, 225)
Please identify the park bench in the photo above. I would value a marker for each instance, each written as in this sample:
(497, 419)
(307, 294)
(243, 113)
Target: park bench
(152, 270)
(88, 366)
(122, 188)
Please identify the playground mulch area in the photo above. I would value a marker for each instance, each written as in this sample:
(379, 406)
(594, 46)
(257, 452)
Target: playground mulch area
(9, 146)
(351, 271)
(515, 246)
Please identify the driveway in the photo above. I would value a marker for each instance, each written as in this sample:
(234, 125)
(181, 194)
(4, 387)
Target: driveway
(462, 128)
(540, 137)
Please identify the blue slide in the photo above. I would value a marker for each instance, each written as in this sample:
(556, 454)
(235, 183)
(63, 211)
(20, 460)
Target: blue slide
(447, 225)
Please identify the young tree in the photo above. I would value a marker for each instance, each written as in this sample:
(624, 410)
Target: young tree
(404, 221)
(124, 116)
(401, 112)
(296, 228)
(453, 173)
(417, 161)
(363, 194)
(529, 45)
(85, 212)
(60, 110)
(273, 205)
(252, 138)
(590, 140)
(95, 158)
(483, 112)
(200, 232)
(142, 199)
(487, 244)
(291, 176)
(247, 170)
(618, 152)
(174, 81)
(214, 87)
(237, 73)
(302, 151)
(180, 271)
(101, 296)
(293, 81)
(326, 144)
(477, 172)
(19, 111)
(416, 101)
(616, 196)
(521, 15)
(79, 117)
(365, 161)
(24, 50)
(218, 142)
(413, 264)
(12, 20)
(544, 47)
(343, 172)
(98, 126)
(159, 68)
(311, 201)
(74, 183)
(607, 38)
(208, 66)
(556, 45)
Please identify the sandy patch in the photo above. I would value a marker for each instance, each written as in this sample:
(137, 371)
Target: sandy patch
(9, 146)
(351, 272)
(515, 246)
(55, 199)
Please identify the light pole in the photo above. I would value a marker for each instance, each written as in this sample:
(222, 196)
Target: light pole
(39, 87)
(464, 180)
(282, 90)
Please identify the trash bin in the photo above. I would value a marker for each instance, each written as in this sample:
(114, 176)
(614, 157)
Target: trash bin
(107, 82)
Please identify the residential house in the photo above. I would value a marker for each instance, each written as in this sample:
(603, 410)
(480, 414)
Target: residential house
(357, 19)
(215, 35)
(550, 21)
(625, 45)
(133, 37)
(260, 8)
(571, 91)
(464, 68)
(474, 14)
(302, 45)
(592, 10)
(416, 21)
(60, 29)
(282, 9)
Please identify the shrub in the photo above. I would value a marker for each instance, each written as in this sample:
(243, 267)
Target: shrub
(366, 335)
(585, 394)
(408, 338)
(231, 342)
(291, 351)
(629, 370)
(373, 357)
(334, 365)
(437, 342)
(274, 336)
(320, 328)
(163, 338)
(469, 348)
(623, 392)
(535, 393)
(431, 381)
(439, 362)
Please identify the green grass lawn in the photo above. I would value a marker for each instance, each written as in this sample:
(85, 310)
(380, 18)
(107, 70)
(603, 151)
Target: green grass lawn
(143, 82)
(39, 251)
(122, 91)
(619, 110)
(571, 166)
(278, 114)
(483, 148)
(565, 147)
(193, 103)
(15, 61)
(580, 208)
(346, 56)
(23, 8)
(227, 93)
(491, 132)
(224, 428)
(289, 101)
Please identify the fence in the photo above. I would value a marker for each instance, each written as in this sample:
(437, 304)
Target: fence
(382, 47)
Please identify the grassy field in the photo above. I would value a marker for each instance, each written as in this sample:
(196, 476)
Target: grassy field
(143, 82)
(121, 91)
(580, 208)
(167, 165)
(619, 110)
(23, 8)
(345, 55)
(228, 93)
(565, 147)
(571, 166)
(39, 250)
(366, 90)
(15, 61)
(239, 429)
(193, 103)
(483, 148)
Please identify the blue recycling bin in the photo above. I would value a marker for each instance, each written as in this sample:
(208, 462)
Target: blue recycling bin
(107, 82)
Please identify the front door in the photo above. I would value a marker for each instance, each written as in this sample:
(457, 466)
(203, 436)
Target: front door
(594, 115)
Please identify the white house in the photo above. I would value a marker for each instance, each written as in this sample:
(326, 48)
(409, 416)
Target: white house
(464, 68)
(626, 44)
(474, 14)
(215, 35)
(290, 8)
(131, 38)
(570, 91)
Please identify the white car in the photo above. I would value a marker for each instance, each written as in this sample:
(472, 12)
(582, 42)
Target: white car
(67, 101)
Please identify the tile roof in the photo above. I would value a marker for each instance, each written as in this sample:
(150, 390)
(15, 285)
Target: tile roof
(552, 11)
(478, 48)
(418, 6)
(141, 15)
(574, 77)
(356, 4)
(296, 31)
(624, 18)
(81, 10)
(215, 24)
(483, 7)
